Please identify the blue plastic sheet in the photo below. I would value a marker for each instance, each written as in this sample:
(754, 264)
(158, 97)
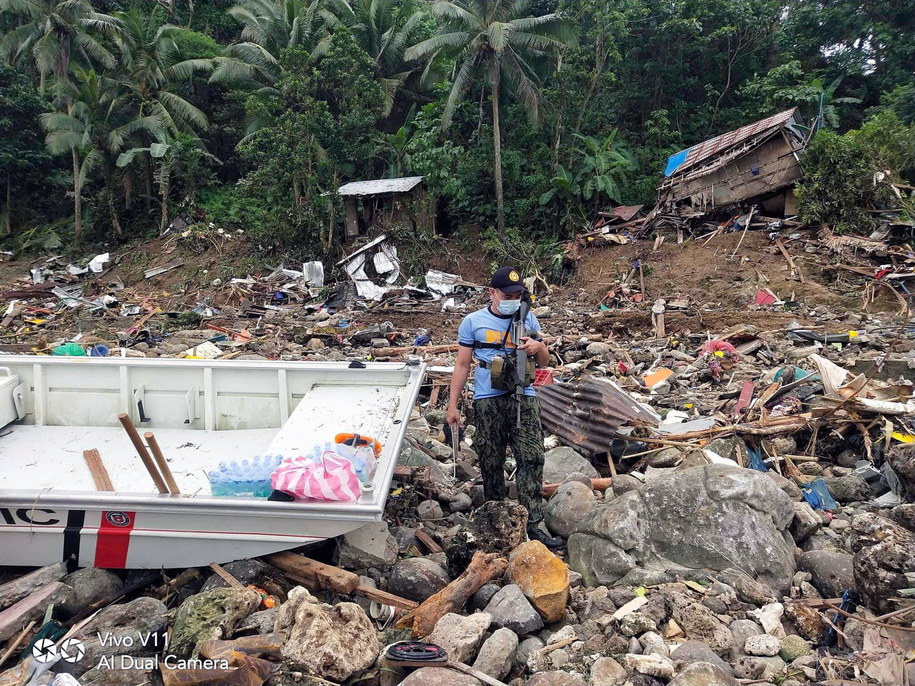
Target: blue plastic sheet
(816, 493)
(675, 161)
(756, 461)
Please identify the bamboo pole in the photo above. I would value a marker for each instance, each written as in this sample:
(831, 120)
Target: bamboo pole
(142, 452)
(160, 460)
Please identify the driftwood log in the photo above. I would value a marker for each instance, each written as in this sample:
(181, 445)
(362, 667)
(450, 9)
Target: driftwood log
(483, 568)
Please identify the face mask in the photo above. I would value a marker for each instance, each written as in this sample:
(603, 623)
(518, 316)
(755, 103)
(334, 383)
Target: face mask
(509, 306)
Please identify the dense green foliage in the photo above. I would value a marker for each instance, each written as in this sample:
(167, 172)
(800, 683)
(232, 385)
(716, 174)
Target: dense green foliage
(525, 115)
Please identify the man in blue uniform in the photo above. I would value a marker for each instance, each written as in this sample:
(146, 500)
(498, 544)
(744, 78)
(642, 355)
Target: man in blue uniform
(485, 335)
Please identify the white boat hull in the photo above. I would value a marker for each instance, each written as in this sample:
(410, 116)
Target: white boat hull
(60, 518)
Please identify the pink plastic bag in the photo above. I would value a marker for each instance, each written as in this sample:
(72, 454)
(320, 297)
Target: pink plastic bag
(330, 478)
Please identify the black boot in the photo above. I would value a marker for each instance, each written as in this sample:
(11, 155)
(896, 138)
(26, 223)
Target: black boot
(535, 533)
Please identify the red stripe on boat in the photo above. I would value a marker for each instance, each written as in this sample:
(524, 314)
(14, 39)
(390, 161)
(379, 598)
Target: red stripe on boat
(113, 539)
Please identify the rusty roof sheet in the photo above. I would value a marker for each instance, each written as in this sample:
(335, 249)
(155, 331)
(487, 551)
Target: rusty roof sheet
(627, 212)
(380, 186)
(587, 412)
(713, 146)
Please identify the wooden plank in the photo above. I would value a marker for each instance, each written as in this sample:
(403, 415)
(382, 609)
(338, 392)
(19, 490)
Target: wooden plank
(385, 598)
(97, 468)
(155, 271)
(313, 573)
(15, 617)
(428, 542)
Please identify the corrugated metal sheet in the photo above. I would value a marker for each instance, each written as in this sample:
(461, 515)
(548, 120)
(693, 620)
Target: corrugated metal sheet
(586, 413)
(680, 162)
(380, 186)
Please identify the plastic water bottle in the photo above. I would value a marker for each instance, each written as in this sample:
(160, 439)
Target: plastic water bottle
(246, 477)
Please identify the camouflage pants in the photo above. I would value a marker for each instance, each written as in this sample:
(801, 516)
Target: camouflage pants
(495, 420)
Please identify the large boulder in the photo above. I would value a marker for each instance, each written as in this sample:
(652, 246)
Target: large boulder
(131, 631)
(209, 616)
(902, 459)
(497, 653)
(438, 676)
(328, 641)
(571, 503)
(499, 526)
(543, 578)
(703, 674)
(90, 585)
(510, 609)
(559, 462)
(711, 517)
(884, 559)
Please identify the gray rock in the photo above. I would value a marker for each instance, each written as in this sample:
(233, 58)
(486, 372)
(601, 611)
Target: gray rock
(429, 510)
(208, 616)
(831, 572)
(651, 665)
(439, 676)
(884, 560)
(806, 522)
(711, 517)
(764, 668)
(257, 623)
(137, 629)
(623, 483)
(741, 630)
(731, 447)
(787, 485)
(692, 652)
(369, 546)
(570, 504)
(250, 571)
(460, 503)
(329, 641)
(579, 478)
(597, 349)
(480, 599)
(417, 578)
(411, 457)
(762, 645)
(556, 678)
(848, 459)
(559, 462)
(460, 635)
(17, 589)
(607, 672)
(700, 623)
(405, 536)
(497, 653)
(668, 457)
(636, 624)
(851, 488)
(703, 674)
(90, 585)
(510, 609)
(526, 648)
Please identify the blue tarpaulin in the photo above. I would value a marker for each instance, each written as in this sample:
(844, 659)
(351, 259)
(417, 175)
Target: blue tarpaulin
(675, 161)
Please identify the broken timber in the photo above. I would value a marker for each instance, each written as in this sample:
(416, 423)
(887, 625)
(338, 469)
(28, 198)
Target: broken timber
(319, 576)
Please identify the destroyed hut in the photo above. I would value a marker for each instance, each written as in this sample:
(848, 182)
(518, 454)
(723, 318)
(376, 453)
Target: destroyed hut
(757, 162)
(383, 204)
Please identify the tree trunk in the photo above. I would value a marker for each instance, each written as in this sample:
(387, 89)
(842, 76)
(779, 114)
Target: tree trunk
(115, 222)
(165, 182)
(77, 201)
(8, 212)
(497, 145)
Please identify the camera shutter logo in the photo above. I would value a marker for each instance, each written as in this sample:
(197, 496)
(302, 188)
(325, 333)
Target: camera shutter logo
(71, 650)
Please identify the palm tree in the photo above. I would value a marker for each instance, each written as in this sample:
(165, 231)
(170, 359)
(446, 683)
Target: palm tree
(384, 29)
(50, 30)
(268, 26)
(154, 68)
(495, 40)
(98, 125)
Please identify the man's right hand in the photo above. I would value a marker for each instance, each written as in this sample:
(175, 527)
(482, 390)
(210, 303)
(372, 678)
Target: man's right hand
(452, 416)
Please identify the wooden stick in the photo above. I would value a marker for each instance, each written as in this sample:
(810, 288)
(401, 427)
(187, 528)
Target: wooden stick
(475, 673)
(160, 460)
(226, 576)
(97, 468)
(430, 544)
(15, 644)
(596, 485)
(142, 452)
(872, 622)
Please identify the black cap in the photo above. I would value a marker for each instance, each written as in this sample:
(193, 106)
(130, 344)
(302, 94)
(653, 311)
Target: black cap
(507, 280)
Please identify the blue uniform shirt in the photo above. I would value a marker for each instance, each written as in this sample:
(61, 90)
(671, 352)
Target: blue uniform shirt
(485, 327)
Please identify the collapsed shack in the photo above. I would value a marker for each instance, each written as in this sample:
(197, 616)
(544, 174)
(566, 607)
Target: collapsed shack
(382, 204)
(758, 162)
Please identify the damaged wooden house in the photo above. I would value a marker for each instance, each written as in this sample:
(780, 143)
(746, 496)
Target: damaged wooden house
(755, 164)
(383, 204)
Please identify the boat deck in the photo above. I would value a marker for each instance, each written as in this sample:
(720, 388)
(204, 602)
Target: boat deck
(51, 457)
